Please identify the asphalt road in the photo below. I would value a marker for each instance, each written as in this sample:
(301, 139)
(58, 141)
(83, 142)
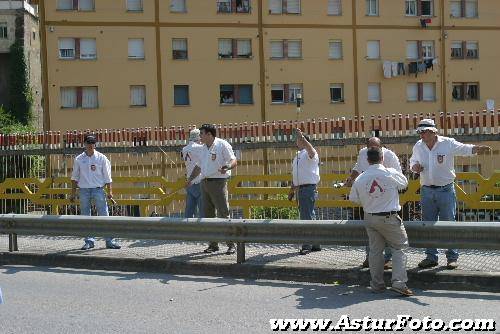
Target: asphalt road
(61, 300)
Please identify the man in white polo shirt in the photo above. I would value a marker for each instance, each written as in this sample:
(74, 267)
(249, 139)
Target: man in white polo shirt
(305, 176)
(390, 160)
(92, 173)
(434, 159)
(215, 169)
(377, 191)
(192, 154)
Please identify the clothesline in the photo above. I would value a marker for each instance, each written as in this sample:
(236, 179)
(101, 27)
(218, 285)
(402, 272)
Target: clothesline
(392, 69)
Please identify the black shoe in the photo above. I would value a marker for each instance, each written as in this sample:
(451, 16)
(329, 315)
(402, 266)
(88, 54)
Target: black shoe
(305, 251)
(316, 249)
(211, 249)
(231, 250)
(88, 245)
(113, 246)
(366, 264)
(427, 263)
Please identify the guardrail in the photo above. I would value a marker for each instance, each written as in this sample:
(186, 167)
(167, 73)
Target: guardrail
(475, 235)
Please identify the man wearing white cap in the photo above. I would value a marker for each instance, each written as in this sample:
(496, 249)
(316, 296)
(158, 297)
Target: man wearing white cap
(191, 154)
(433, 158)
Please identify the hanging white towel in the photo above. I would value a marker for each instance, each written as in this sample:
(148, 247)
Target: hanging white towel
(394, 68)
(387, 67)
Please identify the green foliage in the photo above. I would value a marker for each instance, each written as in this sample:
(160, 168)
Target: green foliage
(265, 212)
(20, 95)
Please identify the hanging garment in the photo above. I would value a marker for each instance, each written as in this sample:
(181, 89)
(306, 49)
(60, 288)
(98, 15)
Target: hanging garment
(387, 68)
(413, 68)
(394, 69)
(429, 64)
(401, 69)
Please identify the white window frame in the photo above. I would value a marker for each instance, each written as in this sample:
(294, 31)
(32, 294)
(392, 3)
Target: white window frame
(274, 46)
(88, 54)
(467, 13)
(278, 87)
(179, 49)
(67, 95)
(337, 86)
(297, 7)
(427, 50)
(225, 48)
(135, 6)
(372, 8)
(412, 92)
(412, 50)
(428, 92)
(456, 7)
(335, 47)
(431, 2)
(89, 8)
(241, 44)
(411, 7)
(298, 45)
(90, 97)
(375, 88)
(335, 7)
(138, 96)
(139, 41)
(178, 6)
(67, 52)
(372, 49)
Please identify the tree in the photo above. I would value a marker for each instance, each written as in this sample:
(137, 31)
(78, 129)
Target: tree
(20, 95)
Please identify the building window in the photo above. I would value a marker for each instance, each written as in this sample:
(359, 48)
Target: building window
(233, 6)
(335, 7)
(373, 50)
(66, 48)
(335, 49)
(425, 91)
(411, 50)
(284, 6)
(472, 49)
(457, 50)
(465, 91)
(236, 94)
(136, 48)
(179, 48)
(428, 92)
(138, 96)
(426, 7)
(336, 93)
(286, 49)
(427, 49)
(235, 48)
(464, 8)
(178, 6)
(65, 5)
(134, 5)
(411, 8)
(86, 5)
(412, 92)
(372, 7)
(286, 93)
(373, 92)
(3, 30)
(88, 48)
(79, 97)
(181, 95)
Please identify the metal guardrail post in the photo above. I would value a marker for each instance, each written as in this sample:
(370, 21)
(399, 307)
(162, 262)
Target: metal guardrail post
(240, 252)
(13, 242)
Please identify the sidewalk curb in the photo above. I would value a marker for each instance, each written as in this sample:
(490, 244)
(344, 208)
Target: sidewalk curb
(436, 279)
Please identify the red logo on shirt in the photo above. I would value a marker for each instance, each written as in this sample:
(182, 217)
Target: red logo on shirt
(374, 187)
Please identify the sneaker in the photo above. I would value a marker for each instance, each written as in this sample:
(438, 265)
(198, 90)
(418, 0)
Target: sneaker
(403, 291)
(211, 249)
(231, 250)
(388, 265)
(113, 245)
(305, 251)
(365, 264)
(88, 245)
(316, 249)
(452, 264)
(427, 263)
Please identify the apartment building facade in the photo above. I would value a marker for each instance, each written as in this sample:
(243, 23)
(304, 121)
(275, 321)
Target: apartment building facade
(132, 63)
(19, 21)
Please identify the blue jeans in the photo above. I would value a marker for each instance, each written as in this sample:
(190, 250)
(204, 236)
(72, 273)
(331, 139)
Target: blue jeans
(307, 199)
(87, 195)
(193, 201)
(439, 204)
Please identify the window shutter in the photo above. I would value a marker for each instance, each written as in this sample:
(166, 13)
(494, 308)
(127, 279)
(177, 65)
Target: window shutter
(275, 7)
(138, 95)
(225, 47)
(68, 97)
(87, 48)
(411, 50)
(77, 48)
(373, 92)
(286, 93)
(420, 92)
(334, 7)
(244, 47)
(134, 5)
(136, 48)
(412, 92)
(294, 49)
(292, 6)
(177, 6)
(65, 4)
(89, 97)
(86, 5)
(428, 92)
(470, 8)
(234, 47)
(78, 96)
(373, 50)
